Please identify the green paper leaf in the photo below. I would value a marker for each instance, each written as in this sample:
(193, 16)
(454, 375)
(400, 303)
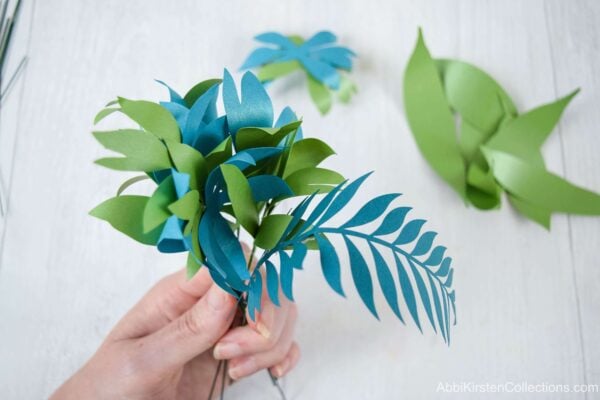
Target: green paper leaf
(430, 118)
(310, 180)
(252, 137)
(241, 198)
(271, 229)
(346, 90)
(192, 265)
(125, 214)
(130, 182)
(104, 113)
(198, 90)
(474, 95)
(142, 150)
(306, 153)
(273, 71)
(152, 117)
(157, 211)
(533, 212)
(538, 187)
(186, 207)
(189, 161)
(524, 135)
(219, 155)
(320, 94)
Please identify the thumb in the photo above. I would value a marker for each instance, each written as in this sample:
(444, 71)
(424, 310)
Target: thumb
(195, 331)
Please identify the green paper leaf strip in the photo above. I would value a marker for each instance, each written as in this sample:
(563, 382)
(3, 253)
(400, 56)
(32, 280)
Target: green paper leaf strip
(496, 149)
(217, 175)
(318, 57)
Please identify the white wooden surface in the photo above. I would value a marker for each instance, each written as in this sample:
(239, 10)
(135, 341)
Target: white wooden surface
(528, 300)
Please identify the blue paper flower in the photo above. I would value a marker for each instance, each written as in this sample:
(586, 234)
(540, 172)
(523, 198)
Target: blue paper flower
(322, 60)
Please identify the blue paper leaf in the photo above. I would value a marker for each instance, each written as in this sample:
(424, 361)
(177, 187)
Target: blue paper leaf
(361, 276)
(444, 268)
(319, 39)
(392, 221)
(330, 264)
(254, 109)
(448, 282)
(288, 116)
(254, 296)
(410, 231)
(371, 211)
(171, 239)
(298, 255)
(265, 187)
(275, 38)
(386, 281)
(407, 291)
(286, 275)
(342, 199)
(424, 244)
(175, 97)
(272, 283)
(260, 56)
(438, 307)
(435, 258)
(423, 293)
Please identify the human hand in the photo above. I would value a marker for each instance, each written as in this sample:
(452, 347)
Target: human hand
(164, 347)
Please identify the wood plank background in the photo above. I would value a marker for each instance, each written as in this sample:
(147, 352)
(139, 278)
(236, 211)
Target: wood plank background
(528, 300)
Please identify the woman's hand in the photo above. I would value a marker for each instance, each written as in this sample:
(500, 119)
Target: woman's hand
(169, 344)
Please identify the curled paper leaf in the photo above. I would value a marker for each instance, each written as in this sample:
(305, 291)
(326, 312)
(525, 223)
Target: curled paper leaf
(323, 62)
(494, 149)
(218, 175)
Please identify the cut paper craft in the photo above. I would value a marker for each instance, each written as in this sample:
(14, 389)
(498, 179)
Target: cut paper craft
(470, 132)
(221, 177)
(325, 64)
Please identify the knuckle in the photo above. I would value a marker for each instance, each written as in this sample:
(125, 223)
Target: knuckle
(190, 324)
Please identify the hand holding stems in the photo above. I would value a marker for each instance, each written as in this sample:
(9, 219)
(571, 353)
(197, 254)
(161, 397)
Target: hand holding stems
(168, 345)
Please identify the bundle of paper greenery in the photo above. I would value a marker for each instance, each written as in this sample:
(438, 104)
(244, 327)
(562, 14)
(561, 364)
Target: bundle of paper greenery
(219, 176)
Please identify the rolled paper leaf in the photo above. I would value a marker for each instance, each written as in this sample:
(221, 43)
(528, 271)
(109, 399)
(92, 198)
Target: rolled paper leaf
(497, 150)
(319, 57)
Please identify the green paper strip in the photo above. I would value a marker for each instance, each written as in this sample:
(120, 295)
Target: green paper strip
(430, 118)
(540, 188)
(310, 180)
(157, 211)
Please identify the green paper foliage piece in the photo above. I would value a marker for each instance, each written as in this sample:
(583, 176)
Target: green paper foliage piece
(247, 138)
(198, 90)
(131, 181)
(307, 181)
(540, 187)
(271, 230)
(320, 95)
(186, 207)
(125, 214)
(157, 208)
(430, 118)
(489, 122)
(189, 161)
(240, 195)
(272, 71)
(152, 117)
(306, 153)
(142, 150)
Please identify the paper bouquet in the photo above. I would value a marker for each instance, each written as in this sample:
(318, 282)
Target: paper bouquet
(496, 149)
(323, 62)
(222, 177)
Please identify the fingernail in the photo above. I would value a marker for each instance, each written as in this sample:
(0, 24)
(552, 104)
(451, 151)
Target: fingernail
(263, 330)
(216, 298)
(281, 368)
(224, 351)
(245, 367)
